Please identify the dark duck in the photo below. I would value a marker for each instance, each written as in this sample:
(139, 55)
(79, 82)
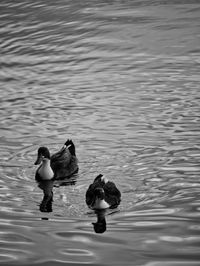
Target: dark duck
(60, 165)
(102, 194)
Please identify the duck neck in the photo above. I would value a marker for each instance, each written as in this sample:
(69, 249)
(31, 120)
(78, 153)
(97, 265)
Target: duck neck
(46, 162)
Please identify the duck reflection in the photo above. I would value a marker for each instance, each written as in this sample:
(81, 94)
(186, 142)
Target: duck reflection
(100, 225)
(47, 187)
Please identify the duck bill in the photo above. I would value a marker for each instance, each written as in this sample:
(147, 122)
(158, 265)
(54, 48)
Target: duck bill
(39, 159)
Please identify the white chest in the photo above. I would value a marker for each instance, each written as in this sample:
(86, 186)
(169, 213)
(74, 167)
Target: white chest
(45, 171)
(100, 204)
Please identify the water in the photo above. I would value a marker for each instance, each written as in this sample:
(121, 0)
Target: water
(121, 78)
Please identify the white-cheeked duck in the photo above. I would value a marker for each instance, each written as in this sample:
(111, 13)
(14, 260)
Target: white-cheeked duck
(62, 164)
(102, 194)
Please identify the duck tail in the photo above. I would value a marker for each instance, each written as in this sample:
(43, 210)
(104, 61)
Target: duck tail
(98, 178)
(68, 142)
(71, 147)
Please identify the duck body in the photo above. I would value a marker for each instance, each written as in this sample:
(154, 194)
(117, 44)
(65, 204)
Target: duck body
(102, 194)
(62, 164)
(45, 171)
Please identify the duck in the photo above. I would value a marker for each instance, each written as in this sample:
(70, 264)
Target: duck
(60, 165)
(44, 171)
(102, 194)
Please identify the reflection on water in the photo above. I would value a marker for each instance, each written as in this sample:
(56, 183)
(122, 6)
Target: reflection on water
(100, 224)
(121, 78)
(47, 187)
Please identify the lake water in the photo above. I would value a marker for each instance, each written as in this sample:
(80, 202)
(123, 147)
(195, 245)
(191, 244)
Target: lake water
(121, 78)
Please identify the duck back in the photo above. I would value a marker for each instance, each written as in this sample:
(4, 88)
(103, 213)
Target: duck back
(64, 164)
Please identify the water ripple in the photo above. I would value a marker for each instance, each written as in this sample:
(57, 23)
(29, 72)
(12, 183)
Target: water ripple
(120, 78)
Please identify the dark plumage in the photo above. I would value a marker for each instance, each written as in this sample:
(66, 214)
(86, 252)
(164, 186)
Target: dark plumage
(102, 194)
(64, 163)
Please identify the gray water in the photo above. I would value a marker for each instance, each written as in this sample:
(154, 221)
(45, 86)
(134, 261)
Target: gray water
(121, 78)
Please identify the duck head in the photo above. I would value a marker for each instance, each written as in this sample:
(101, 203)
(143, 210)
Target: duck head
(99, 199)
(99, 193)
(43, 154)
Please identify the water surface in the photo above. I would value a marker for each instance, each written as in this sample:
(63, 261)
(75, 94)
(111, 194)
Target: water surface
(121, 78)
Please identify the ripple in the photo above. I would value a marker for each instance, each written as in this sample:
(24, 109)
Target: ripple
(122, 79)
(10, 237)
(78, 255)
(10, 255)
(172, 263)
